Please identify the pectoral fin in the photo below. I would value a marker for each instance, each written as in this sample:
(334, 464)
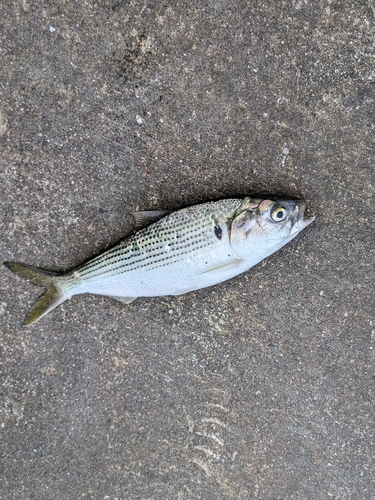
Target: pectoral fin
(233, 265)
(124, 300)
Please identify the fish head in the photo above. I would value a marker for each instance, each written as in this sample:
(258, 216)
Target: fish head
(264, 226)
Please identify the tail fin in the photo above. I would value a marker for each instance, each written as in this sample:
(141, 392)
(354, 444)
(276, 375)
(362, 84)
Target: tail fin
(46, 302)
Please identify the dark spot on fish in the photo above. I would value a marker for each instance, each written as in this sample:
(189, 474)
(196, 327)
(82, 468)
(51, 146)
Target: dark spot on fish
(218, 232)
(135, 247)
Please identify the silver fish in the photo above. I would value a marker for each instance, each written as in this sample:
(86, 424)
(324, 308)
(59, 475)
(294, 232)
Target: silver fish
(176, 253)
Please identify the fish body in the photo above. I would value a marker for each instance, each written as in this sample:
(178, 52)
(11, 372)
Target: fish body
(186, 250)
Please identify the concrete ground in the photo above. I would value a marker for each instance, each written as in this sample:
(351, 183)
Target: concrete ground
(259, 388)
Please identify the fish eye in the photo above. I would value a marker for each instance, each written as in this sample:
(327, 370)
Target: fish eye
(279, 214)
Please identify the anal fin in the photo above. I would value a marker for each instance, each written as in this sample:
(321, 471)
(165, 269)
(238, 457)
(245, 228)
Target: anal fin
(124, 300)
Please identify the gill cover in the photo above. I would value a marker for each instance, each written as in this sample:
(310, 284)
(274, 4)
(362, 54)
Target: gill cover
(263, 226)
(242, 225)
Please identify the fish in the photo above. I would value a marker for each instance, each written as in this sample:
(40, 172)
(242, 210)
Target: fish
(175, 252)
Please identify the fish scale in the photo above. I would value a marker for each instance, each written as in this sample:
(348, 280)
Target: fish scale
(176, 253)
(173, 242)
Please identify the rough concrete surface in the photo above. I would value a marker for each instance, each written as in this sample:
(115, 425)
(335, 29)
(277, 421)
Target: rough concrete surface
(259, 388)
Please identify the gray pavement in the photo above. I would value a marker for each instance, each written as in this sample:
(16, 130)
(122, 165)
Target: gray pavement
(259, 388)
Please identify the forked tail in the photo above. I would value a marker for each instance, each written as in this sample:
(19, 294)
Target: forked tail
(46, 302)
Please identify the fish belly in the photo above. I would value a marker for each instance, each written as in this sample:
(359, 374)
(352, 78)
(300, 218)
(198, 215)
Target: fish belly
(169, 276)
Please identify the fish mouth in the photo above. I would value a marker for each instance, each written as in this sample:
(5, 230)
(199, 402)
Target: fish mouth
(298, 217)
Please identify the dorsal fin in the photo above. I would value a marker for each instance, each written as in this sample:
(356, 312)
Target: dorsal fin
(148, 216)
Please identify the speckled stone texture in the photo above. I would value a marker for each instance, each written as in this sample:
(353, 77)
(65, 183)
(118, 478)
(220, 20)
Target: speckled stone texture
(262, 387)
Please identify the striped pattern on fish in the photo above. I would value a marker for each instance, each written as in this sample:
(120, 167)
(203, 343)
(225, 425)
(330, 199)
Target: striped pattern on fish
(165, 258)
